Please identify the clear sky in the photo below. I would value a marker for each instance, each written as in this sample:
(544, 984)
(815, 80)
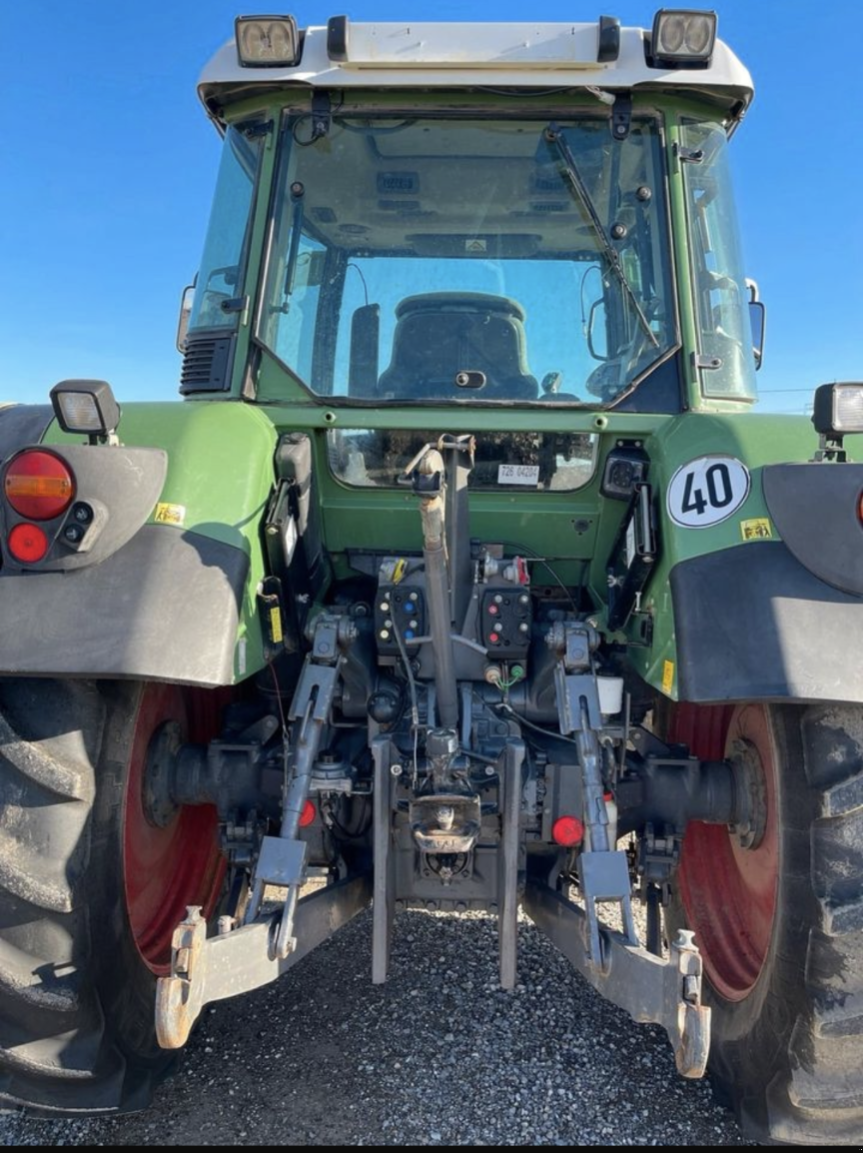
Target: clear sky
(108, 165)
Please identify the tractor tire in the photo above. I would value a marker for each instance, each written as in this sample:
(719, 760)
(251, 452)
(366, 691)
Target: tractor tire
(90, 891)
(780, 923)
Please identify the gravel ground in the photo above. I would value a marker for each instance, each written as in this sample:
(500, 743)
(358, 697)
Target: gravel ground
(440, 1056)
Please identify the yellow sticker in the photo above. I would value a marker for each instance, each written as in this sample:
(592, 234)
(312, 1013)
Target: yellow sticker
(171, 514)
(668, 677)
(758, 529)
(276, 626)
(399, 570)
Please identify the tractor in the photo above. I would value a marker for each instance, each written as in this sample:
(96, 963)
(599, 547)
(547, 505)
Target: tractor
(463, 577)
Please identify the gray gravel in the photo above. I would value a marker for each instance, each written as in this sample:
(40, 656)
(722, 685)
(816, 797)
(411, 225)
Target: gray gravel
(440, 1056)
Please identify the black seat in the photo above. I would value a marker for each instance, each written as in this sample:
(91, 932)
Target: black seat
(441, 334)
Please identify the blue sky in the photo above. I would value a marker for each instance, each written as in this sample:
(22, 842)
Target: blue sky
(108, 166)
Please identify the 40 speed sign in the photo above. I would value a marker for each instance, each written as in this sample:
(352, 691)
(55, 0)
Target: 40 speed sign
(707, 490)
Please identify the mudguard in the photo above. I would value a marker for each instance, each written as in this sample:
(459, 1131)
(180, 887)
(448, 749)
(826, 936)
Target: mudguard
(168, 590)
(166, 606)
(755, 624)
(817, 510)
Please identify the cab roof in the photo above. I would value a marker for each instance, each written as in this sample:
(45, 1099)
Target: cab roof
(473, 55)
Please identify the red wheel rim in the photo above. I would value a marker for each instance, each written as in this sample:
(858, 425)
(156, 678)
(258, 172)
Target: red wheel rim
(166, 870)
(729, 893)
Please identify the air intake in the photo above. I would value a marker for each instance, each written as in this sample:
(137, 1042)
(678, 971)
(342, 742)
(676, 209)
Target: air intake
(207, 363)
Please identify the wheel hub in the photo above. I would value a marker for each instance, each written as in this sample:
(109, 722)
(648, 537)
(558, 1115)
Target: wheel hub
(160, 808)
(750, 788)
(729, 873)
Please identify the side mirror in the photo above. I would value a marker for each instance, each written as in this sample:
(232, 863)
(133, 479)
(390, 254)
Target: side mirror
(186, 302)
(597, 308)
(758, 321)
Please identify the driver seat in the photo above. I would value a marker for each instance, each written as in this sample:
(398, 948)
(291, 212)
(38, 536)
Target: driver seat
(440, 334)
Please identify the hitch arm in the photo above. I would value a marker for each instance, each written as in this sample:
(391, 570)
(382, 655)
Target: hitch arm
(651, 990)
(205, 970)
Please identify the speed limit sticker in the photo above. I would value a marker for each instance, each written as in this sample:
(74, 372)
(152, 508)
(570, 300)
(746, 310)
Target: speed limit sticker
(707, 490)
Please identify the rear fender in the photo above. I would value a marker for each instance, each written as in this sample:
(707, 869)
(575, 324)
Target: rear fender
(766, 602)
(755, 624)
(171, 595)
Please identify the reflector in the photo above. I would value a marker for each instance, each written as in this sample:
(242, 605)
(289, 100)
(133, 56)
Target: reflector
(27, 543)
(568, 832)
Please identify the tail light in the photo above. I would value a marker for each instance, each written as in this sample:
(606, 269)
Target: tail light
(27, 543)
(308, 815)
(39, 485)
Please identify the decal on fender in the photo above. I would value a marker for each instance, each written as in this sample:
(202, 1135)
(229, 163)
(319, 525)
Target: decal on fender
(707, 491)
(758, 528)
(171, 514)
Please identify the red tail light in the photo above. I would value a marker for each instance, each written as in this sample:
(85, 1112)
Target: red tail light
(39, 485)
(27, 543)
(307, 816)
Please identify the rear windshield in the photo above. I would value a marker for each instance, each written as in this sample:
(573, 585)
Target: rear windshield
(447, 260)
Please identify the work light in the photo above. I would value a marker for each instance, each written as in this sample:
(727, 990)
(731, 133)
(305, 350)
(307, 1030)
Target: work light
(838, 409)
(85, 406)
(267, 41)
(683, 36)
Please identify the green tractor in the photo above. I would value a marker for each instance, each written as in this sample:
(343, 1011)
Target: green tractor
(463, 578)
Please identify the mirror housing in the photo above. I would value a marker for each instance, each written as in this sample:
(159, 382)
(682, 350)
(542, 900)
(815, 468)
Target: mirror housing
(186, 302)
(591, 321)
(758, 321)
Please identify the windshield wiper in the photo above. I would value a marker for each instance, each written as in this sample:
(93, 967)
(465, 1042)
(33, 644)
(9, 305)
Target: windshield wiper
(554, 135)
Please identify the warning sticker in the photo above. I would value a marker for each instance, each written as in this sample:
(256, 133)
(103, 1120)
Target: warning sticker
(400, 570)
(170, 514)
(668, 677)
(518, 474)
(276, 625)
(758, 529)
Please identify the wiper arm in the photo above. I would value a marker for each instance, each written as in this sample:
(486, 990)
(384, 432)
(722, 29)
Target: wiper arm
(554, 135)
(297, 196)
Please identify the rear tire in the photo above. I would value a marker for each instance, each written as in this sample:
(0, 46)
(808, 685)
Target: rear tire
(80, 945)
(787, 1047)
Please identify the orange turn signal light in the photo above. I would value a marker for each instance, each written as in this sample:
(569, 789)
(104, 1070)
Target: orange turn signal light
(39, 485)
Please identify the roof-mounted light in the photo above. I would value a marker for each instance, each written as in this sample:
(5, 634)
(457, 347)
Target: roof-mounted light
(683, 37)
(267, 41)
